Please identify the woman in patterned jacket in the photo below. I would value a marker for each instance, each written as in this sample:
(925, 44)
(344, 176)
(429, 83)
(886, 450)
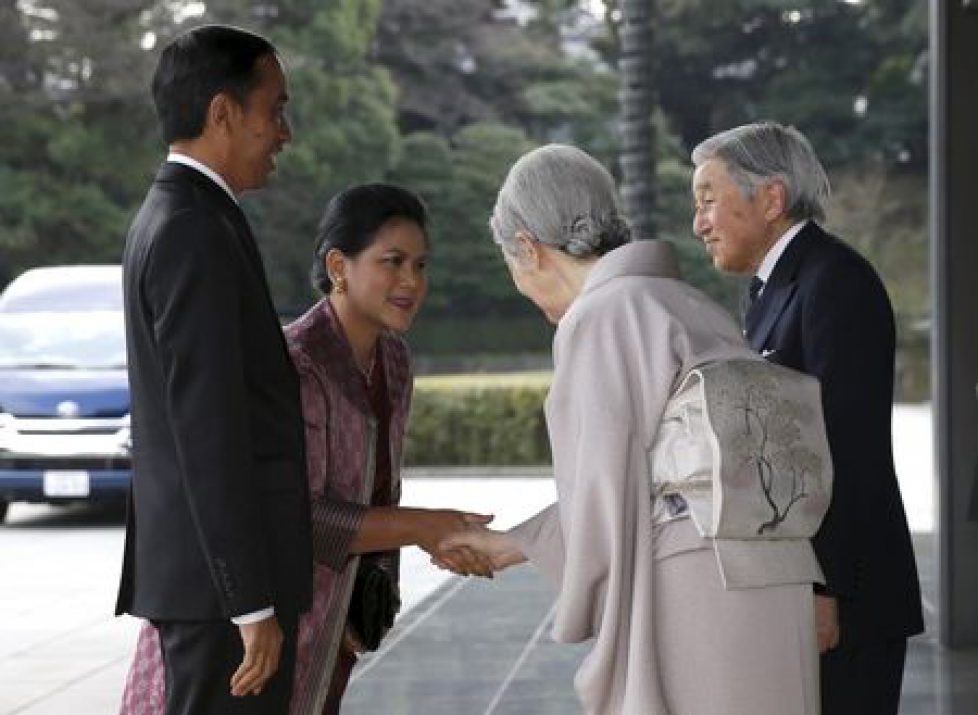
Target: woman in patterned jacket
(356, 383)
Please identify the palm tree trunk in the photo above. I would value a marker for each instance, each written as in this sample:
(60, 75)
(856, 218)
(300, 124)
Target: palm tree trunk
(637, 97)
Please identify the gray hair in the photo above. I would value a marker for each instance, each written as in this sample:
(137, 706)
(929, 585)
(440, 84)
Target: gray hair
(756, 154)
(563, 198)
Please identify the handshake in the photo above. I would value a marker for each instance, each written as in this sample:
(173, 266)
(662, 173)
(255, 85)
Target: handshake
(462, 543)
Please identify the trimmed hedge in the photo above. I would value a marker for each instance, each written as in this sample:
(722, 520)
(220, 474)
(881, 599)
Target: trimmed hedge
(478, 420)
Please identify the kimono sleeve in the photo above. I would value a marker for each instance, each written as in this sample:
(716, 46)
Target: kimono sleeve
(615, 368)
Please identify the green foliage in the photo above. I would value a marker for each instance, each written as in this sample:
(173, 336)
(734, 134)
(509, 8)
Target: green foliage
(458, 181)
(850, 75)
(79, 145)
(489, 424)
(674, 220)
(461, 62)
(342, 111)
(48, 215)
(442, 96)
(74, 157)
(882, 213)
(434, 335)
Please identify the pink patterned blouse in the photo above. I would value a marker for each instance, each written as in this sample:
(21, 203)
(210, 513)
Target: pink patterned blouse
(341, 454)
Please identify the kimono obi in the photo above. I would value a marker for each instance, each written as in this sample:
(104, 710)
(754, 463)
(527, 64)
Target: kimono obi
(742, 446)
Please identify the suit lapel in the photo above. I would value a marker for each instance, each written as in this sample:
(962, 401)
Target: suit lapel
(781, 286)
(765, 313)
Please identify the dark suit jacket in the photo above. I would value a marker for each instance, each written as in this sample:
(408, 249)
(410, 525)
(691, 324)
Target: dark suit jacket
(218, 521)
(973, 505)
(825, 312)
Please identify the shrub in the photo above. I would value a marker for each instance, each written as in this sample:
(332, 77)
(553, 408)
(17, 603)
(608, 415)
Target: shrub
(478, 420)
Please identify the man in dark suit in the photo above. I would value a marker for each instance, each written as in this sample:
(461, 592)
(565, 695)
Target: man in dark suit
(819, 307)
(218, 551)
(973, 504)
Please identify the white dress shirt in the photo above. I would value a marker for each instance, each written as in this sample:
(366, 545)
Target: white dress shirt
(177, 158)
(775, 252)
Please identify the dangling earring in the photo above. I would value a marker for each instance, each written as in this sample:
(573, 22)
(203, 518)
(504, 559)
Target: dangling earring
(340, 285)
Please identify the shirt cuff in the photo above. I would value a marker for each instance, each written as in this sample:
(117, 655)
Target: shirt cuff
(246, 618)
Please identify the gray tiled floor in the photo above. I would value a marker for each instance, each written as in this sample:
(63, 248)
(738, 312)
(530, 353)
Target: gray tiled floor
(484, 647)
(465, 647)
(475, 646)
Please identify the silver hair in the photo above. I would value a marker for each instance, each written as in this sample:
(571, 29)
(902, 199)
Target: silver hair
(756, 154)
(563, 198)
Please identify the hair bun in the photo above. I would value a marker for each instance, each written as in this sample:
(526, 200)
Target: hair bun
(595, 235)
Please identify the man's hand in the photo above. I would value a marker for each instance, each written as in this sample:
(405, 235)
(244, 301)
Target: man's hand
(262, 649)
(827, 630)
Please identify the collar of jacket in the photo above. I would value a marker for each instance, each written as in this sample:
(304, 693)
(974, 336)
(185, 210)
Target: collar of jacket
(786, 269)
(639, 258)
(205, 189)
(171, 171)
(764, 314)
(320, 335)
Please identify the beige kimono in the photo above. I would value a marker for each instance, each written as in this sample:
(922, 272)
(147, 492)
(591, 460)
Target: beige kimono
(668, 637)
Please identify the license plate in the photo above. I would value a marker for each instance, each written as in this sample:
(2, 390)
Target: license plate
(64, 483)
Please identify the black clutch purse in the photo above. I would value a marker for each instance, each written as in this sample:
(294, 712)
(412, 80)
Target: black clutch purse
(373, 605)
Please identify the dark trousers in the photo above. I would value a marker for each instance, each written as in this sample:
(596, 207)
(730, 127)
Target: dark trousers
(201, 657)
(863, 677)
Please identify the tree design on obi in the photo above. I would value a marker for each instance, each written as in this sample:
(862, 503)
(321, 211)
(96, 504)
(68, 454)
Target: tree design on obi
(772, 448)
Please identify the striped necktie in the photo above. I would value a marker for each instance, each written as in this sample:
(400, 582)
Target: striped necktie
(756, 284)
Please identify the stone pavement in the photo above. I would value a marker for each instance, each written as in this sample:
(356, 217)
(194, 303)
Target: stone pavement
(462, 646)
(483, 647)
(474, 646)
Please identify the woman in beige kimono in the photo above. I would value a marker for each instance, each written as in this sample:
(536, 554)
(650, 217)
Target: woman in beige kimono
(679, 626)
(356, 380)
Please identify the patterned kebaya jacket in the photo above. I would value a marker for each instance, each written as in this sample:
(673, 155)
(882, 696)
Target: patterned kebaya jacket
(341, 433)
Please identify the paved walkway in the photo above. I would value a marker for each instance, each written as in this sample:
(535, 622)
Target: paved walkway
(462, 647)
(472, 647)
(484, 648)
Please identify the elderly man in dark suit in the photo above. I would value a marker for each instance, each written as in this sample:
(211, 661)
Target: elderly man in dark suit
(817, 306)
(218, 550)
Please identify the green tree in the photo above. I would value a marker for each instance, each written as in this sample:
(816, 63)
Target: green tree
(460, 62)
(850, 75)
(73, 126)
(79, 144)
(471, 84)
(458, 181)
(342, 112)
(638, 104)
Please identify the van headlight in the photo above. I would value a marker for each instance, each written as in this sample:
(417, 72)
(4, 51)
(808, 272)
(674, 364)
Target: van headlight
(124, 436)
(8, 429)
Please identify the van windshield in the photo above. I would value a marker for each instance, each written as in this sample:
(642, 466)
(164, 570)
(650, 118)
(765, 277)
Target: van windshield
(71, 292)
(69, 341)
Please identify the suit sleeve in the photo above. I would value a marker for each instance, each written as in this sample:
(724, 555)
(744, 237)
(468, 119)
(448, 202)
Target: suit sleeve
(192, 284)
(849, 346)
